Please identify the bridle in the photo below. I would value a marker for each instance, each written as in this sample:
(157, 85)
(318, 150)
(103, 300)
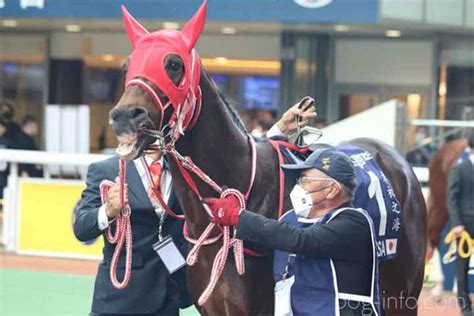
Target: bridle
(184, 115)
(182, 119)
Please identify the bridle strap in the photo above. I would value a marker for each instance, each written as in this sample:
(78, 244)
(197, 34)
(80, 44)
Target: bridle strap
(276, 147)
(253, 167)
(183, 119)
(151, 92)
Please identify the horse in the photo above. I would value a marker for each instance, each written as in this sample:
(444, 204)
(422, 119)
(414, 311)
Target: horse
(214, 137)
(439, 167)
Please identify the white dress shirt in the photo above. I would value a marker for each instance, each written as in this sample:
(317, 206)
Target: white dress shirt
(274, 131)
(165, 185)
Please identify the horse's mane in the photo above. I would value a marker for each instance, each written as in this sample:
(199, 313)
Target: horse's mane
(233, 113)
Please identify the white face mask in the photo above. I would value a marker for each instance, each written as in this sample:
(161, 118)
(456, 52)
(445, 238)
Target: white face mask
(301, 200)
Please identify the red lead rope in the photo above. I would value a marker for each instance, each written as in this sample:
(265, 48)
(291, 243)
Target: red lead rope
(186, 167)
(281, 177)
(123, 230)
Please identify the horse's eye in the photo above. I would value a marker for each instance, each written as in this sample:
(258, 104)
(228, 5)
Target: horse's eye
(175, 66)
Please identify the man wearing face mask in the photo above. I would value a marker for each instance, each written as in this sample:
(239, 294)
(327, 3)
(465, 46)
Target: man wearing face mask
(326, 261)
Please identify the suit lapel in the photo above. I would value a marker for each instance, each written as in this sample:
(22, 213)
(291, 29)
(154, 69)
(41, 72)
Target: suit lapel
(135, 185)
(172, 199)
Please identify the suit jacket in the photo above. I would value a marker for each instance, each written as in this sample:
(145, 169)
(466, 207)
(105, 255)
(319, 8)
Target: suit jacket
(461, 194)
(151, 286)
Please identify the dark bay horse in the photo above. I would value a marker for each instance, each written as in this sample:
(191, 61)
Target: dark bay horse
(218, 144)
(439, 167)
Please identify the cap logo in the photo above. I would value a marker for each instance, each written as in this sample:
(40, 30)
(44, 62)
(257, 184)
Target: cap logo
(326, 163)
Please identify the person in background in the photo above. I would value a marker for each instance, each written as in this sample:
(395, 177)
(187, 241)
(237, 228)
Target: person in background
(263, 122)
(24, 140)
(4, 144)
(12, 128)
(460, 197)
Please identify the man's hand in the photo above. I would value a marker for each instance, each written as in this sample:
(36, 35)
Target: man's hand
(112, 204)
(226, 211)
(304, 109)
(457, 230)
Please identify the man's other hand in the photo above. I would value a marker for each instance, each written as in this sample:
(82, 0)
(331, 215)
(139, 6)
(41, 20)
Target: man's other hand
(304, 109)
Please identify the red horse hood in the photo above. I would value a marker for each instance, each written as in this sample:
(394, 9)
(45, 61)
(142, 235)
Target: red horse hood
(151, 49)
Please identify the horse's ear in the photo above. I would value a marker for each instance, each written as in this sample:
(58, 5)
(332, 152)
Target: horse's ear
(134, 29)
(192, 30)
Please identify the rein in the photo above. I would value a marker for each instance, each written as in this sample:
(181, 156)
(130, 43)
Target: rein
(123, 230)
(182, 119)
(186, 166)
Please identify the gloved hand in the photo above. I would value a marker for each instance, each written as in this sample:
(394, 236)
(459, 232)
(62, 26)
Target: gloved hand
(226, 210)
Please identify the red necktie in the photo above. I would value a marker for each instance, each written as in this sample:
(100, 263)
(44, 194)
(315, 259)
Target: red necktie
(156, 171)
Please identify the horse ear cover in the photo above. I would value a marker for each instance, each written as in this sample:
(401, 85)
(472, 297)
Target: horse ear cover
(135, 30)
(192, 30)
(147, 61)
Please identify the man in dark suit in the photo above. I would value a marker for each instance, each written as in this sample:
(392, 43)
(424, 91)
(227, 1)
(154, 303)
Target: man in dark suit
(461, 213)
(151, 290)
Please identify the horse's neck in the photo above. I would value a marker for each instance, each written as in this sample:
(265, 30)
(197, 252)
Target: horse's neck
(217, 146)
(216, 135)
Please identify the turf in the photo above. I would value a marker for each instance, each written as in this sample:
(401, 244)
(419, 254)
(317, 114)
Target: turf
(35, 293)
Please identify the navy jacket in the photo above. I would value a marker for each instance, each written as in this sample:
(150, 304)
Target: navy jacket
(460, 193)
(346, 240)
(151, 286)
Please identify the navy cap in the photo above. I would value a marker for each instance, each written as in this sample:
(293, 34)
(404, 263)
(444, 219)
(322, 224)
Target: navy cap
(334, 163)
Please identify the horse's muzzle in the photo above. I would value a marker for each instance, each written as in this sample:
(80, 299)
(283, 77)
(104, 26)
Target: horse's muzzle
(129, 125)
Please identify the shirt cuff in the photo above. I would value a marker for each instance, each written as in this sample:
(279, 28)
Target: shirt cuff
(102, 220)
(274, 131)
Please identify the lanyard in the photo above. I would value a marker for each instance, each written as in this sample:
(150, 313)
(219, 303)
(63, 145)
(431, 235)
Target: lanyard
(286, 272)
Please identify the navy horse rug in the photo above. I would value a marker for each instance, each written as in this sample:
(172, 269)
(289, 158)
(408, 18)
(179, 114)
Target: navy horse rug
(373, 193)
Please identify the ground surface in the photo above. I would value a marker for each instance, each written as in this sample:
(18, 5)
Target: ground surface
(35, 286)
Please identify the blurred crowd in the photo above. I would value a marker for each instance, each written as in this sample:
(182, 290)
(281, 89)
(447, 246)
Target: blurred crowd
(17, 135)
(257, 122)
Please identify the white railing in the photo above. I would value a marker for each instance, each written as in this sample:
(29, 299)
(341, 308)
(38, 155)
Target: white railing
(11, 194)
(48, 158)
(442, 123)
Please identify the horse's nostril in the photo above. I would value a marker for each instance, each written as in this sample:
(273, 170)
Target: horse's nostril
(135, 112)
(127, 114)
(114, 114)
